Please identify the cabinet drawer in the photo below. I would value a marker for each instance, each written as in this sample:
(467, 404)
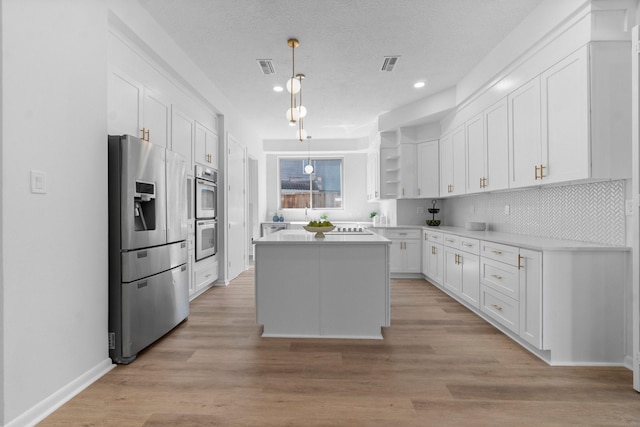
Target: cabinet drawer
(435, 236)
(501, 277)
(206, 274)
(470, 245)
(500, 307)
(403, 234)
(452, 241)
(498, 252)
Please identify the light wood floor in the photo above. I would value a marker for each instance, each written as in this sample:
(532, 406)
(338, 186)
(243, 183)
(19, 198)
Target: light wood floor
(439, 365)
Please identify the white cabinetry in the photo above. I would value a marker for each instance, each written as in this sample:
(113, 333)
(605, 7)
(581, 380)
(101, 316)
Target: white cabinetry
(136, 110)
(511, 289)
(570, 122)
(434, 257)
(373, 176)
(461, 264)
(525, 146)
(205, 273)
(408, 171)
(405, 256)
(182, 136)
(206, 146)
(487, 150)
(452, 163)
(428, 169)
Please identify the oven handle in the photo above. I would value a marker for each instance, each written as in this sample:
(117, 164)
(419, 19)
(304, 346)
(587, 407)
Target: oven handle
(205, 182)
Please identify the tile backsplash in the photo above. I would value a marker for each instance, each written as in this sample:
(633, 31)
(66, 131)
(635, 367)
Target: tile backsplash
(593, 212)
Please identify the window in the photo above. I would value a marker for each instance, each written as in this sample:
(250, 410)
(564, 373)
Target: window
(321, 189)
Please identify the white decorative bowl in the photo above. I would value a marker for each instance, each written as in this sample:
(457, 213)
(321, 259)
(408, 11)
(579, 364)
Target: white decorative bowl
(476, 226)
(319, 230)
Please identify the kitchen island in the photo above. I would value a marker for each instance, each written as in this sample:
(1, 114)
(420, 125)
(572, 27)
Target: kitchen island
(332, 287)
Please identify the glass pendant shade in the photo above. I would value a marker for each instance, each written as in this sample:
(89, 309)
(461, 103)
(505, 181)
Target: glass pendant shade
(293, 114)
(293, 85)
(302, 111)
(308, 169)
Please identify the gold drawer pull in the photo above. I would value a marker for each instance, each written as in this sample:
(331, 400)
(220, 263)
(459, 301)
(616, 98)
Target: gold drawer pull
(496, 276)
(497, 307)
(467, 244)
(450, 240)
(497, 252)
(519, 261)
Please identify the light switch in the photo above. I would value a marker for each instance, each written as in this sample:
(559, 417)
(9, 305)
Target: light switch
(38, 182)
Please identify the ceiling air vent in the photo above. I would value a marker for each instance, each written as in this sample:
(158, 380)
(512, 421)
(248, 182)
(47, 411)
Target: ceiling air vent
(266, 65)
(389, 63)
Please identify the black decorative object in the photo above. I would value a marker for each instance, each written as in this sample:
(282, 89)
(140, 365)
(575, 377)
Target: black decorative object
(433, 222)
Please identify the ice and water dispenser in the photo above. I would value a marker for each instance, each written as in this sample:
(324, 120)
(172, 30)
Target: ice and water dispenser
(144, 206)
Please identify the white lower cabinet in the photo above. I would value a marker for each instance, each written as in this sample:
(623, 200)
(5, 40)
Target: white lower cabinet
(461, 263)
(406, 250)
(511, 287)
(433, 257)
(205, 273)
(566, 305)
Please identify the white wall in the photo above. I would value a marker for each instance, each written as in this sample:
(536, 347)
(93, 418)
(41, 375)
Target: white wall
(356, 207)
(54, 245)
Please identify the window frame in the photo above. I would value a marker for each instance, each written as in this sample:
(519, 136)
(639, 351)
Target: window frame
(304, 160)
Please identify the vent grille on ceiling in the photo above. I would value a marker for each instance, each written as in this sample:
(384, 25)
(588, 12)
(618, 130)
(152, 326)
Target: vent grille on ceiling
(266, 65)
(389, 63)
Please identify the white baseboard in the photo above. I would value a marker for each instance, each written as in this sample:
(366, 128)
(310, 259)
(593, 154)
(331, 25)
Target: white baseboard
(47, 406)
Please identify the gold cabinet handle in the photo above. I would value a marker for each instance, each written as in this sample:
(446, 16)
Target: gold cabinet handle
(403, 191)
(467, 244)
(145, 134)
(480, 182)
(536, 173)
(541, 171)
(450, 240)
(497, 307)
(418, 191)
(425, 236)
(496, 276)
(497, 252)
(484, 182)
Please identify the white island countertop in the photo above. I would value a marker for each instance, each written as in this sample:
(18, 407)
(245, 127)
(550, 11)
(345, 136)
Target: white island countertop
(304, 237)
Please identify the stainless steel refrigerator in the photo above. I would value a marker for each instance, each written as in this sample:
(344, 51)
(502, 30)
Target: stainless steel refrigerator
(148, 276)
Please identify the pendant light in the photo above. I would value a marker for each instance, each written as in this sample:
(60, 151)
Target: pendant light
(296, 111)
(308, 169)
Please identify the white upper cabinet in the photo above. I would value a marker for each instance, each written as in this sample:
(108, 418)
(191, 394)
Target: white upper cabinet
(373, 176)
(156, 112)
(182, 135)
(487, 149)
(428, 169)
(408, 171)
(525, 143)
(496, 152)
(205, 146)
(571, 123)
(136, 110)
(124, 105)
(452, 163)
(476, 154)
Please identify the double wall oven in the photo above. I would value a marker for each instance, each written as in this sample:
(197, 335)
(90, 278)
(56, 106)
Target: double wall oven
(206, 201)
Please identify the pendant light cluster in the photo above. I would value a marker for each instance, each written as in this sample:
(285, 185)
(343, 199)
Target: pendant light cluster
(296, 112)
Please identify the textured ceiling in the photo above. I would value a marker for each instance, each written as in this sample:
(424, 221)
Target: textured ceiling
(342, 47)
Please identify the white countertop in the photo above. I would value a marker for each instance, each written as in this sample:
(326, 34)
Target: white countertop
(305, 237)
(521, 240)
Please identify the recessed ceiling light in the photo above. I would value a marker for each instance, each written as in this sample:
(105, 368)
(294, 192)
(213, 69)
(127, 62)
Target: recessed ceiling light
(418, 84)
(278, 88)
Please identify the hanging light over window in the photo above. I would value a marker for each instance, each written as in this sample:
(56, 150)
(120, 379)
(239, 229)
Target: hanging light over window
(308, 169)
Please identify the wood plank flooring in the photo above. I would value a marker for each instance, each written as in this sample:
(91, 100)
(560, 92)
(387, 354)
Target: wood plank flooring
(438, 365)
